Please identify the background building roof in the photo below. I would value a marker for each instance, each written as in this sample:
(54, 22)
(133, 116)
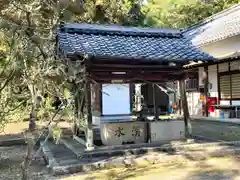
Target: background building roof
(217, 27)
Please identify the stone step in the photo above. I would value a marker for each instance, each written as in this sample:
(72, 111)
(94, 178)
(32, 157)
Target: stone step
(74, 146)
(59, 154)
(70, 156)
(68, 161)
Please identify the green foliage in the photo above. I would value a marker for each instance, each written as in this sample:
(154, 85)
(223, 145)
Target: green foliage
(181, 16)
(56, 133)
(27, 42)
(182, 13)
(156, 11)
(124, 12)
(46, 109)
(32, 24)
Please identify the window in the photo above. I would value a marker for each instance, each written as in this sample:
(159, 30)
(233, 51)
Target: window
(225, 89)
(192, 84)
(236, 86)
(229, 84)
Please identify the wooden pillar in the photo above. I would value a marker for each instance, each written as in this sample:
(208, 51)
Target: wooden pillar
(97, 99)
(185, 108)
(100, 99)
(179, 102)
(138, 98)
(206, 90)
(131, 90)
(89, 132)
(79, 103)
(155, 102)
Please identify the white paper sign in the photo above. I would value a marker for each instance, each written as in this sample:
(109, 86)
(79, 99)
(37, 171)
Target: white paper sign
(116, 99)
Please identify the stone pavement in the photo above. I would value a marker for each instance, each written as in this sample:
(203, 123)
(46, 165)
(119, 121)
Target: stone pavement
(226, 130)
(215, 119)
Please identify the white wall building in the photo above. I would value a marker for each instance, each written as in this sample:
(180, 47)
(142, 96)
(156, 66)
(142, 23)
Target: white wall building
(219, 36)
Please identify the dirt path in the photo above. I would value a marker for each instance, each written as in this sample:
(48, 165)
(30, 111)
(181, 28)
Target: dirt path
(15, 130)
(10, 160)
(211, 169)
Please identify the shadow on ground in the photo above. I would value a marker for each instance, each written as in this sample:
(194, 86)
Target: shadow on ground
(190, 167)
(200, 171)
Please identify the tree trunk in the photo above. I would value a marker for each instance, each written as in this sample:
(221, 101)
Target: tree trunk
(28, 157)
(32, 120)
(33, 113)
(89, 134)
(185, 108)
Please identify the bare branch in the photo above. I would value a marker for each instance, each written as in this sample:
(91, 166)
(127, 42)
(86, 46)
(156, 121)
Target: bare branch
(4, 68)
(30, 33)
(10, 110)
(11, 18)
(24, 10)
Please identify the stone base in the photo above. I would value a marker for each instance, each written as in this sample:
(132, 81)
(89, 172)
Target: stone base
(164, 131)
(118, 133)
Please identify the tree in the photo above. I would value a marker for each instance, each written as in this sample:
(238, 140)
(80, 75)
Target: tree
(29, 28)
(182, 13)
(33, 23)
(156, 10)
(181, 16)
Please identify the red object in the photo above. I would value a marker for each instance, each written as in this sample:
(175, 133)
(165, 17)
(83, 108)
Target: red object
(211, 101)
(211, 109)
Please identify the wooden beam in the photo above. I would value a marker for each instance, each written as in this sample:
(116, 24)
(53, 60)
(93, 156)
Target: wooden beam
(155, 102)
(141, 68)
(137, 73)
(153, 77)
(185, 108)
(89, 132)
(209, 63)
(127, 81)
(134, 66)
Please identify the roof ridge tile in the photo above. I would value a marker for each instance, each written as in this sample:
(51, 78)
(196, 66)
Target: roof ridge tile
(118, 30)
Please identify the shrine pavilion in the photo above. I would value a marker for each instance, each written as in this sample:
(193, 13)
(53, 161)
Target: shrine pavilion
(115, 61)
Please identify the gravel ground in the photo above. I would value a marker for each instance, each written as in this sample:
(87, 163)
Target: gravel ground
(10, 160)
(211, 169)
(220, 131)
(226, 168)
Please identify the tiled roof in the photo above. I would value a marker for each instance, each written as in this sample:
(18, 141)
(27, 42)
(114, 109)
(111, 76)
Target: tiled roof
(220, 26)
(127, 43)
